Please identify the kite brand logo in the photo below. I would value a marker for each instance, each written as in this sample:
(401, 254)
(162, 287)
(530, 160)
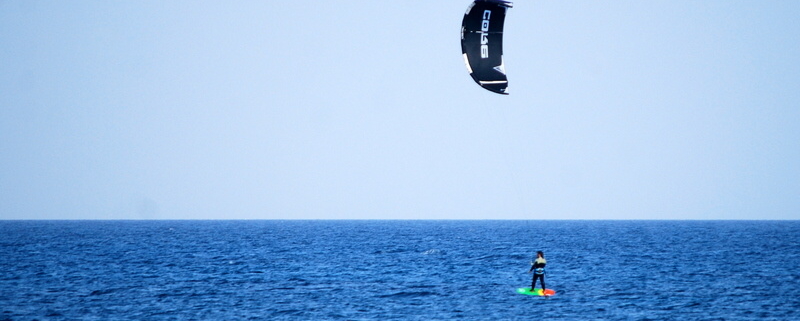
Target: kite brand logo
(485, 34)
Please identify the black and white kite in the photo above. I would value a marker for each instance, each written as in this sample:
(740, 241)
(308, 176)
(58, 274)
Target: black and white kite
(482, 43)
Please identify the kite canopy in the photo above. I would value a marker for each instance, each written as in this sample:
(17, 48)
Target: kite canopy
(482, 43)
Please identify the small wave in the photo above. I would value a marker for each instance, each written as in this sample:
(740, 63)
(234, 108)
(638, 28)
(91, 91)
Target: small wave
(284, 288)
(491, 257)
(432, 252)
(410, 294)
(299, 281)
(288, 312)
(103, 291)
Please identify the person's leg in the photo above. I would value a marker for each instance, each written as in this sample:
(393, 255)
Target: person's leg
(536, 276)
(542, 280)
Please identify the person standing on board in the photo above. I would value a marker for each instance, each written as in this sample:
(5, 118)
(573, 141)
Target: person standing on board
(537, 267)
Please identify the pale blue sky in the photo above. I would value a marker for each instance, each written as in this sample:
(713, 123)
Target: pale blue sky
(364, 110)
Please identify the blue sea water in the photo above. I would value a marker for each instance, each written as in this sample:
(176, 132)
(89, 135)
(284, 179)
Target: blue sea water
(405, 270)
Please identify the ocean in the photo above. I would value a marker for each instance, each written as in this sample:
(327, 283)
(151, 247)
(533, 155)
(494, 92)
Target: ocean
(398, 270)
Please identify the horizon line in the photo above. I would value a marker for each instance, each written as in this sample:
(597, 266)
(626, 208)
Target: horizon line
(387, 219)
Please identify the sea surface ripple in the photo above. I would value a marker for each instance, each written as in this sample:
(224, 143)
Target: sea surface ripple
(403, 270)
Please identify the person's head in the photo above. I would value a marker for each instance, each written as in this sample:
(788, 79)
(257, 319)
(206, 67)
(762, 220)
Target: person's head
(540, 254)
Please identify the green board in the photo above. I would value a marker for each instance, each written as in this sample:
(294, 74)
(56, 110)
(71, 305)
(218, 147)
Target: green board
(527, 291)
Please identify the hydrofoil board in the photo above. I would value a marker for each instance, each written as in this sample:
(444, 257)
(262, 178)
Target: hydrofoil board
(529, 291)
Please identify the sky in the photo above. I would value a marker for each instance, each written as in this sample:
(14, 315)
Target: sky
(363, 109)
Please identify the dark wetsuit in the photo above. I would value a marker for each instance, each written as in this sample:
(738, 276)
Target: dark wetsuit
(538, 272)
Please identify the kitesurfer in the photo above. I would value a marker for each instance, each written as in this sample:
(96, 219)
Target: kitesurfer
(537, 267)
